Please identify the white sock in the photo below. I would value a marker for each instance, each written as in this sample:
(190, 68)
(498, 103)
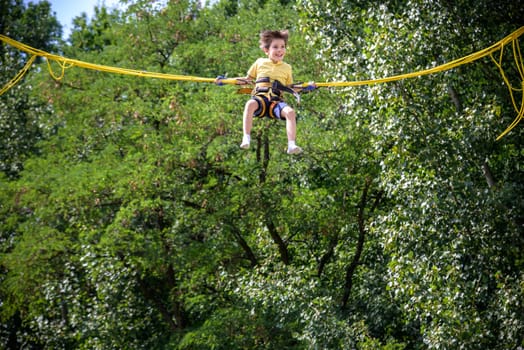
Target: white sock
(246, 138)
(291, 144)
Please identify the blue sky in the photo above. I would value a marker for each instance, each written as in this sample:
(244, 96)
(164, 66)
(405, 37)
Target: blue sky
(66, 10)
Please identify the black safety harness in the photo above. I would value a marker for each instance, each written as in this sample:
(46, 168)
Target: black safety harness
(273, 89)
(268, 94)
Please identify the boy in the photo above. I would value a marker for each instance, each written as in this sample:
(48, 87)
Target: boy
(271, 76)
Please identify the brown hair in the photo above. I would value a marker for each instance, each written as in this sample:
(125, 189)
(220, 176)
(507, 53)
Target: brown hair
(267, 36)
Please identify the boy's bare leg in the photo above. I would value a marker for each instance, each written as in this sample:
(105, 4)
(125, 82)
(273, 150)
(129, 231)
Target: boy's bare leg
(291, 129)
(249, 110)
(291, 123)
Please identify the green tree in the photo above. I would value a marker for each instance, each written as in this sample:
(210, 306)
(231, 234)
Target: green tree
(452, 241)
(125, 219)
(20, 115)
(141, 224)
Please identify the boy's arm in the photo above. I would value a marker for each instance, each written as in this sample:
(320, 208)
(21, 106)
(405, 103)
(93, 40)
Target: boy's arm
(247, 80)
(239, 80)
(300, 87)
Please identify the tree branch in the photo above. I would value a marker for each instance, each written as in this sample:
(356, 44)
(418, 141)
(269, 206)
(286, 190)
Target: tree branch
(243, 244)
(263, 145)
(350, 271)
(327, 256)
(176, 318)
(455, 98)
(282, 247)
(486, 170)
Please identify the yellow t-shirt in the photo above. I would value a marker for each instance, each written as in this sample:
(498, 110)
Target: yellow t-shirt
(264, 67)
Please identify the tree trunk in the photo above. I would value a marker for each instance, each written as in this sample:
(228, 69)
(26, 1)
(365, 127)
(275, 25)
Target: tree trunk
(282, 247)
(243, 244)
(350, 271)
(263, 158)
(486, 170)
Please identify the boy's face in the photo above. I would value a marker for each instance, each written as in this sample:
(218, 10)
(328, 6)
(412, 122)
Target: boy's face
(276, 50)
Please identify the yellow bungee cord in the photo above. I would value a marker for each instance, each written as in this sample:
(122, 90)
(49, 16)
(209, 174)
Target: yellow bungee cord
(66, 63)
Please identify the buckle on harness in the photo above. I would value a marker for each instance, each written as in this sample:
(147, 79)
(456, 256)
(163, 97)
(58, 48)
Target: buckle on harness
(276, 88)
(262, 90)
(263, 80)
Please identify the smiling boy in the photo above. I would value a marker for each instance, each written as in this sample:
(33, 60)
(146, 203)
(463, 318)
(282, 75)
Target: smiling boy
(271, 76)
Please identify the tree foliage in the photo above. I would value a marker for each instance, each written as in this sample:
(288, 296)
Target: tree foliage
(20, 114)
(139, 223)
(445, 226)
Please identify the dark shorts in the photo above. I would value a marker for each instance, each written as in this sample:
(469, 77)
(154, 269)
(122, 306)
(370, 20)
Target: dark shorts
(269, 107)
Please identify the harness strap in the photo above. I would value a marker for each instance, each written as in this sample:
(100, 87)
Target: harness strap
(262, 80)
(275, 87)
